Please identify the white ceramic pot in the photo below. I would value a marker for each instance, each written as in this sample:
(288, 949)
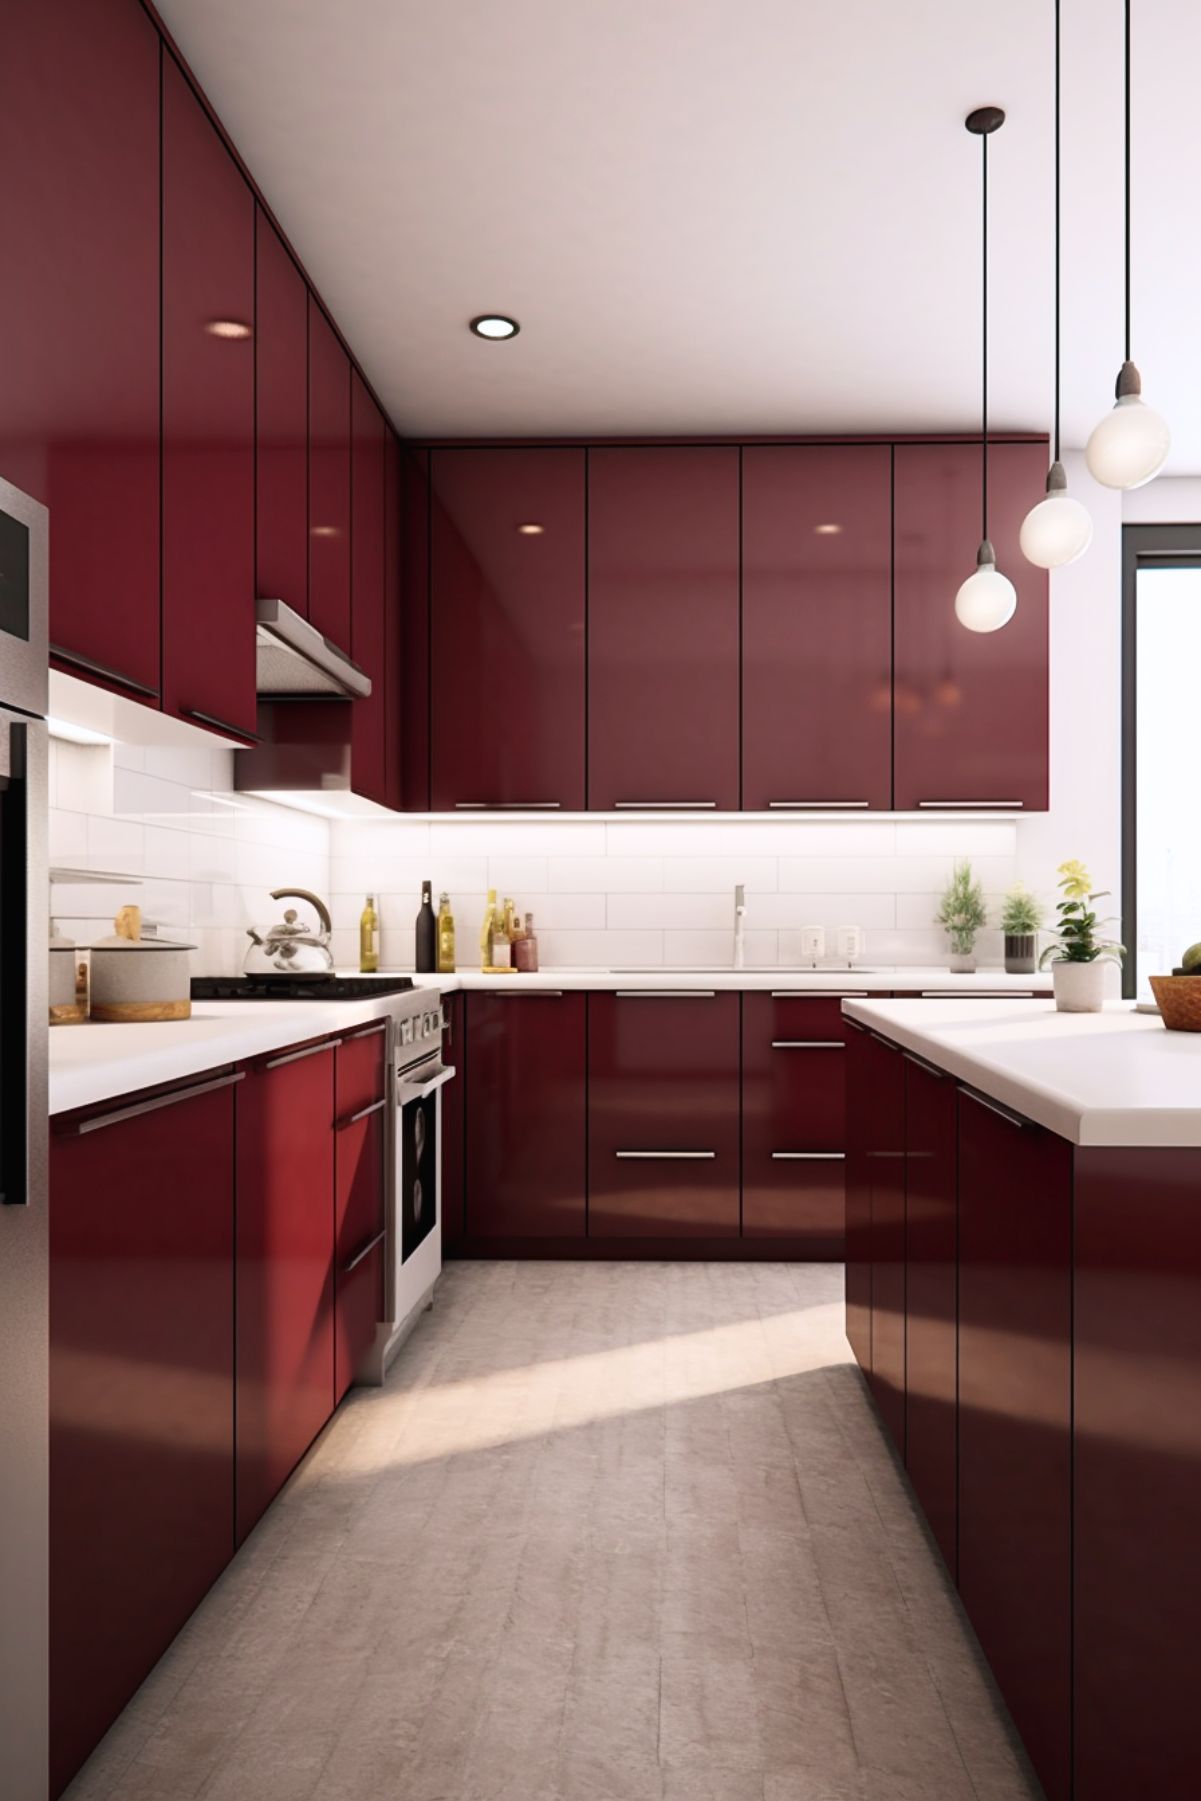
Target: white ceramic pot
(1079, 987)
(962, 963)
(140, 980)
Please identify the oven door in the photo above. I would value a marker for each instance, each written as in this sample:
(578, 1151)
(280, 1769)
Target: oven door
(417, 1151)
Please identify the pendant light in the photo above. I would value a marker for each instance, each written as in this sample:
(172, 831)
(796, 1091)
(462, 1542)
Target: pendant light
(1058, 529)
(987, 599)
(1131, 443)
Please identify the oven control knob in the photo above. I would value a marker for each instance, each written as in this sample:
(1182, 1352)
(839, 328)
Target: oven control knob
(406, 1031)
(431, 1024)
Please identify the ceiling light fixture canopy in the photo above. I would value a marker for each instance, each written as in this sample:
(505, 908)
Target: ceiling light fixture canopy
(1057, 529)
(494, 325)
(987, 599)
(1130, 445)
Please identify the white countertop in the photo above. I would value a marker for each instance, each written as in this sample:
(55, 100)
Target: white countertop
(90, 1063)
(1110, 1078)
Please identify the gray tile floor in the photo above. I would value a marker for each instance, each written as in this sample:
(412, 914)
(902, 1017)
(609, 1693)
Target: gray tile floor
(612, 1532)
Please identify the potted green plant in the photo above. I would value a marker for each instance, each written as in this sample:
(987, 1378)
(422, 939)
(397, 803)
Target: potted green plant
(1078, 956)
(1021, 921)
(961, 914)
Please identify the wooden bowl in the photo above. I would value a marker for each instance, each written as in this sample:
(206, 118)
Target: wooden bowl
(1179, 1000)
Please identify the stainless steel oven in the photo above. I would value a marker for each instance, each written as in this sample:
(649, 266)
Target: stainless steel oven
(415, 1226)
(24, 1253)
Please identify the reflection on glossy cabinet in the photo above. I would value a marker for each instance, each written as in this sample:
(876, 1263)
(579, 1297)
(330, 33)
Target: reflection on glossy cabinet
(970, 708)
(79, 318)
(395, 601)
(858, 1277)
(663, 1111)
(526, 1101)
(368, 628)
(507, 621)
(281, 422)
(931, 1307)
(208, 421)
(886, 1186)
(360, 1197)
(453, 1097)
(794, 1121)
(329, 480)
(663, 617)
(1015, 1454)
(414, 588)
(141, 1399)
(817, 625)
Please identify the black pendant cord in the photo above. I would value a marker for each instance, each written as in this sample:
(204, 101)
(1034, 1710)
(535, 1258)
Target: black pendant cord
(1056, 456)
(984, 358)
(1127, 180)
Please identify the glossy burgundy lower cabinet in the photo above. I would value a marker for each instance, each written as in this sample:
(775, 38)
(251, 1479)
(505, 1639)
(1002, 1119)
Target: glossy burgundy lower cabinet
(1015, 1412)
(79, 318)
(1137, 1473)
(141, 1399)
(526, 1115)
(281, 422)
(360, 1204)
(208, 421)
(368, 626)
(453, 1098)
(970, 709)
(817, 626)
(858, 1232)
(285, 1319)
(794, 1121)
(329, 480)
(886, 1194)
(663, 618)
(507, 575)
(931, 1307)
(663, 1108)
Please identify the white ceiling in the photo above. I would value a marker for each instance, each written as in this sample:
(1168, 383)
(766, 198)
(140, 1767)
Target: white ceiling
(721, 215)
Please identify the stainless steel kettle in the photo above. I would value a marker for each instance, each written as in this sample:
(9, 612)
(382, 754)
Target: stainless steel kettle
(292, 948)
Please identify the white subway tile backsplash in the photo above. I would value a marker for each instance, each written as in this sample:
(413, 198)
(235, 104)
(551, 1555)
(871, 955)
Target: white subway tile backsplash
(605, 875)
(719, 875)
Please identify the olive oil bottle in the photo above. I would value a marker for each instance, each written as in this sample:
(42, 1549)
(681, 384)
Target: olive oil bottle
(369, 938)
(446, 937)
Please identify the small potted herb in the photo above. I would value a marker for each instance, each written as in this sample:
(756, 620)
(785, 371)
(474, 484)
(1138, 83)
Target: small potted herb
(961, 914)
(1078, 956)
(1021, 922)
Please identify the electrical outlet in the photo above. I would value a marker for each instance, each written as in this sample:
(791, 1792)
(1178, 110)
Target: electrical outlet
(813, 943)
(850, 944)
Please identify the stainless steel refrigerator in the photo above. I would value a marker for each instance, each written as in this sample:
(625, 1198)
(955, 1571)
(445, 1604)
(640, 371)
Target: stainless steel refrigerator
(24, 1239)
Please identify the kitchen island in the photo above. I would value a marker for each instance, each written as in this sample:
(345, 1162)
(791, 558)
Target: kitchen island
(1024, 1298)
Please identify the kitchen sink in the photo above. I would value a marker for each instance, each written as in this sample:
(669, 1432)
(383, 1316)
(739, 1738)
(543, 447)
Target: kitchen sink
(790, 971)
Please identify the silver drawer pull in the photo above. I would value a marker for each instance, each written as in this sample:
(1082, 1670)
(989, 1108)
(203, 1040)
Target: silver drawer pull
(99, 1120)
(880, 1039)
(976, 994)
(819, 994)
(665, 1156)
(807, 1044)
(352, 1119)
(666, 994)
(1005, 1113)
(808, 1156)
(931, 1069)
(971, 803)
(528, 994)
(819, 803)
(365, 1252)
(313, 1050)
(662, 805)
(511, 806)
(101, 669)
(381, 1025)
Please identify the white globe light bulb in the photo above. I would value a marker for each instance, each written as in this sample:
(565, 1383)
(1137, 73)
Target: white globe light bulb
(987, 600)
(1131, 443)
(1058, 529)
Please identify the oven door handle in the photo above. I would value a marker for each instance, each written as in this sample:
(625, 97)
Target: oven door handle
(410, 1088)
(23, 1014)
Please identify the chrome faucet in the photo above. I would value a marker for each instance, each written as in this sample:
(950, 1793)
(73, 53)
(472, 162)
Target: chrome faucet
(739, 925)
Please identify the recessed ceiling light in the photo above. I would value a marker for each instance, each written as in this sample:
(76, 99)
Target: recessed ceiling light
(494, 325)
(532, 529)
(227, 328)
(830, 530)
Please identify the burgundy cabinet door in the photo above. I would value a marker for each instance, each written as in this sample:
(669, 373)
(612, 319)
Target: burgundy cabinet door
(525, 1100)
(360, 1146)
(368, 628)
(394, 601)
(507, 625)
(794, 1121)
(931, 1307)
(817, 626)
(208, 421)
(285, 1350)
(663, 679)
(281, 422)
(886, 1186)
(1015, 1454)
(141, 1399)
(1137, 1576)
(79, 319)
(859, 1104)
(451, 1192)
(969, 708)
(663, 1111)
(414, 586)
(329, 480)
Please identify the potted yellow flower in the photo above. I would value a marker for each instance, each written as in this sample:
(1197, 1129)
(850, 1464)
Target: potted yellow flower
(1078, 957)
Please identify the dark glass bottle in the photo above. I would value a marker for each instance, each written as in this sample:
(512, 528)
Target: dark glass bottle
(427, 933)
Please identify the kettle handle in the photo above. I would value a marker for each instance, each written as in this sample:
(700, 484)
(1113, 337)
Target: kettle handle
(318, 905)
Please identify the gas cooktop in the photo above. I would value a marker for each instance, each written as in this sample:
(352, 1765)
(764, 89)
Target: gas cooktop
(296, 988)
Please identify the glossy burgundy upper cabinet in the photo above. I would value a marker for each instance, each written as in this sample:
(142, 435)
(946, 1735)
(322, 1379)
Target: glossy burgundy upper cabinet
(794, 1120)
(526, 1107)
(329, 480)
(79, 320)
(970, 709)
(1015, 1412)
(663, 1110)
(368, 632)
(208, 421)
(507, 625)
(817, 626)
(663, 698)
(281, 427)
(413, 589)
(931, 1312)
(394, 699)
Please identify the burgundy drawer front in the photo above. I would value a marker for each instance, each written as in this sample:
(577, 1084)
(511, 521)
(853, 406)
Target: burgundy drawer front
(359, 1307)
(794, 1119)
(360, 1146)
(451, 1193)
(886, 1188)
(360, 1069)
(859, 1197)
(931, 1302)
(797, 1197)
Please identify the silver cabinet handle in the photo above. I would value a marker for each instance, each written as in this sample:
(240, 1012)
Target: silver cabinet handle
(1005, 1113)
(94, 668)
(819, 803)
(931, 1069)
(971, 803)
(365, 1252)
(976, 994)
(221, 725)
(665, 1156)
(807, 1044)
(529, 994)
(665, 994)
(352, 1119)
(808, 1156)
(98, 1121)
(673, 806)
(819, 994)
(512, 806)
(880, 1039)
(312, 1050)
(381, 1025)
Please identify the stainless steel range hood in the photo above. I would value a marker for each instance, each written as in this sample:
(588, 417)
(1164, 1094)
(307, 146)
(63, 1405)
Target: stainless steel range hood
(293, 658)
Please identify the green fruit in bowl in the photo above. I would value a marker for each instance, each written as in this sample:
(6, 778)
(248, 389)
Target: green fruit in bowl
(1190, 963)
